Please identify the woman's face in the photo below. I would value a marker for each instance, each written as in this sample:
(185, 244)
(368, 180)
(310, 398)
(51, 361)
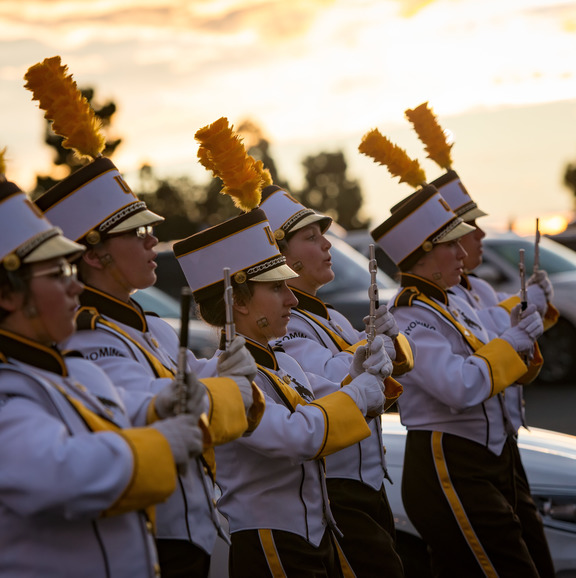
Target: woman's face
(48, 315)
(443, 265)
(472, 244)
(126, 262)
(266, 315)
(310, 248)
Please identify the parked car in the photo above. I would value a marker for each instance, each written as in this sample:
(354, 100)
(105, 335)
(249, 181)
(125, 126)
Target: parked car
(500, 269)
(348, 293)
(202, 339)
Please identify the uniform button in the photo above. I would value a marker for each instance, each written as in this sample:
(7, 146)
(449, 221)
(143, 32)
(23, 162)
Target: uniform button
(149, 526)
(214, 502)
(156, 570)
(154, 342)
(286, 379)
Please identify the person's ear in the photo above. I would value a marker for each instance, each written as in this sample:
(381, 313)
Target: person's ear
(11, 300)
(93, 259)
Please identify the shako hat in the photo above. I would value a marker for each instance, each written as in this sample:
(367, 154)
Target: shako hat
(287, 215)
(417, 224)
(95, 200)
(438, 148)
(244, 244)
(421, 220)
(27, 236)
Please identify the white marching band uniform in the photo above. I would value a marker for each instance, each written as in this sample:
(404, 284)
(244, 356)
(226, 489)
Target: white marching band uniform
(133, 348)
(66, 491)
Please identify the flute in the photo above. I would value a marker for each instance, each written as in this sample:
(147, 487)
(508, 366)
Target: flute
(536, 249)
(373, 296)
(230, 329)
(185, 301)
(522, 269)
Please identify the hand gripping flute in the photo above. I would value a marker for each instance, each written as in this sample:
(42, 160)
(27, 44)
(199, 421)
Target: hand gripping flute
(373, 296)
(228, 305)
(181, 371)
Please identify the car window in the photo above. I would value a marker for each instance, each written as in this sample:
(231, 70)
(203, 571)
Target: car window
(158, 302)
(554, 258)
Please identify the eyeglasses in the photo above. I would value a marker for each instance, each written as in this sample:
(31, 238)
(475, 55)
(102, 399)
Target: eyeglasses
(140, 232)
(64, 272)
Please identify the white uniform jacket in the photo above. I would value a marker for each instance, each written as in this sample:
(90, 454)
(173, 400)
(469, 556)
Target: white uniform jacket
(460, 370)
(139, 353)
(274, 478)
(323, 342)
(73, 482)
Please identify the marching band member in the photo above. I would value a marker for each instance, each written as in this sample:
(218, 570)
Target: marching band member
(139, 351)
(76, 479)
(323, 340)
(493, 308)
(459, 481)
(272, 482)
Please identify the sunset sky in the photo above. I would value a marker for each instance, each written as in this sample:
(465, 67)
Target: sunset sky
(315, 75)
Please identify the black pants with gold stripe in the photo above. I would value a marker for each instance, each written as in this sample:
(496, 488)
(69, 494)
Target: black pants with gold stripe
(473, 508)
(279, 554)
(364, 517)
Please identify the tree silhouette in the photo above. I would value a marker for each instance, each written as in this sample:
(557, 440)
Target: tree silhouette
(328, 190)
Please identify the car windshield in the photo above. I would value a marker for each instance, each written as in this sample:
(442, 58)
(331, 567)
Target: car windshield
(351, 269)
(554, 258)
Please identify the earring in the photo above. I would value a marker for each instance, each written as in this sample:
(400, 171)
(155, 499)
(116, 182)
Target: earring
(297, 266)
(262, 322)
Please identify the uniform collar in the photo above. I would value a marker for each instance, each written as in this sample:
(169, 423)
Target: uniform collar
(424, 286)
(31, 352)
(130, 314)
(465, 281)
(263, 355)
(311, 303)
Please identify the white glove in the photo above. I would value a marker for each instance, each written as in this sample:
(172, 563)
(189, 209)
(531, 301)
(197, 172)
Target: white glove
(539, 291)
(526, 328)
(541, 279)
(367, 391)
(167, 400)
(184, 436)
(384, 324)
(237, 360)
(378, 363)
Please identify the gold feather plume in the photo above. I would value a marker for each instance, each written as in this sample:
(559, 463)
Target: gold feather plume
(222, 152)
(431, 134)
(399, 164)
(70, 112)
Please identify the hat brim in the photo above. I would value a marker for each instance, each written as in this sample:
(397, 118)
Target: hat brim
(139, 219)
(56, 246)
(281, 273)
(473, 214)
(457, 232)
(323, 220)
